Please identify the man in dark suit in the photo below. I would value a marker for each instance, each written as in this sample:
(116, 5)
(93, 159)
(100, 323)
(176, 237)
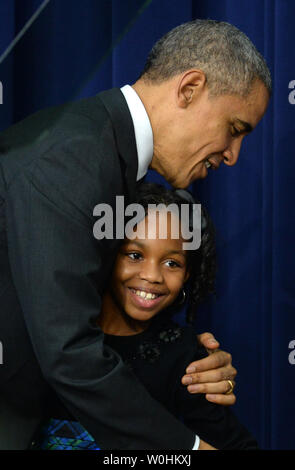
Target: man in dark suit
(55, 167)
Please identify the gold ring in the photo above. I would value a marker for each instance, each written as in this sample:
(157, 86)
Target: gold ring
(231, 388)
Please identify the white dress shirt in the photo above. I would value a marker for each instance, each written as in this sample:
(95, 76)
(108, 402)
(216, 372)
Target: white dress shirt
(144, 144)
(142, 128)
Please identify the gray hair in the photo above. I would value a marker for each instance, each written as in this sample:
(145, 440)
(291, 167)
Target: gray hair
(228, 58)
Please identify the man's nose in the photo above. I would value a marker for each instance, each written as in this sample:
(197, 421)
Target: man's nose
(231, 154)
(151, 272)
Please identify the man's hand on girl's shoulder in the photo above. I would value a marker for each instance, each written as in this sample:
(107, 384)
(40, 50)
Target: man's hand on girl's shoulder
(214, 375)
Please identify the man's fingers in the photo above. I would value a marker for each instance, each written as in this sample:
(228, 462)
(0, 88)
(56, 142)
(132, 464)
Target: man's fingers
(213, 361)
(211, 388)
(208, 341)
(225, 400)
(214, 376)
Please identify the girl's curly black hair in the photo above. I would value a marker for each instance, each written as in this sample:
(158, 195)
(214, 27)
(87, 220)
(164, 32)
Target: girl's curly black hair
(201, 262)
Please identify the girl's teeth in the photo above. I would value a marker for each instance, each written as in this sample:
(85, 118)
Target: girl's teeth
(208, 164)
(145, 295)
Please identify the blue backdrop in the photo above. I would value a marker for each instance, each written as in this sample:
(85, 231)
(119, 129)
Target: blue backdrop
(76, 49)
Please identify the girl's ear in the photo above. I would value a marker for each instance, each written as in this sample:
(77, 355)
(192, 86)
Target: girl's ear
(187, 275)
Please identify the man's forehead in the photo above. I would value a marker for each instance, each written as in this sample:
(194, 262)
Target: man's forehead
(252, 107)
(258, 99)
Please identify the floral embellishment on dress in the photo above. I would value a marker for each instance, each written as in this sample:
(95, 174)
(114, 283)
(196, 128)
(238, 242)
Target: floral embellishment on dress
(149, 351)
(170, 335)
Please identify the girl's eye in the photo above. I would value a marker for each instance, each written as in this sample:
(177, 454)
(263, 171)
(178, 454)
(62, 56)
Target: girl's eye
(173, 264)
(134, 256)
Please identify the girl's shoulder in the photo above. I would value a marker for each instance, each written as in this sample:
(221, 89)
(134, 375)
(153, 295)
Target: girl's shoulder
(182, 337)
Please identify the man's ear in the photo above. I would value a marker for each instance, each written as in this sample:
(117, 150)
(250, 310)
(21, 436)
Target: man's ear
(191, 84)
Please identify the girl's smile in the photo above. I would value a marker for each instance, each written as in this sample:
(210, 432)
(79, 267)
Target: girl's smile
(144, 299)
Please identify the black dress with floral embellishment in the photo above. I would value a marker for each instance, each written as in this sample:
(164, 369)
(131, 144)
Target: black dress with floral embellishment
(158, 357)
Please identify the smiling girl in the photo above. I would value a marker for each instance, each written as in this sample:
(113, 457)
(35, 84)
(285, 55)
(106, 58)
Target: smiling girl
(151, 279)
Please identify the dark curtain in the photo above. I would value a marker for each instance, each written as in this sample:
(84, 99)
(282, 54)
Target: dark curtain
(76, 49)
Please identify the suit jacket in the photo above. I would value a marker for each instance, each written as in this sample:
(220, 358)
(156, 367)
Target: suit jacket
(55, 166)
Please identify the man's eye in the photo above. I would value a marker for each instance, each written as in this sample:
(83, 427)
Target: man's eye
(235, 132)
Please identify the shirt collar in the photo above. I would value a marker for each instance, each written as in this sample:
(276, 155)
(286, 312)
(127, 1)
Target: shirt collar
(142, 129)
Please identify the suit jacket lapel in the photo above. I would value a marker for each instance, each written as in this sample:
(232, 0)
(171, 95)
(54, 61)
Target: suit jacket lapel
(118, 110)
